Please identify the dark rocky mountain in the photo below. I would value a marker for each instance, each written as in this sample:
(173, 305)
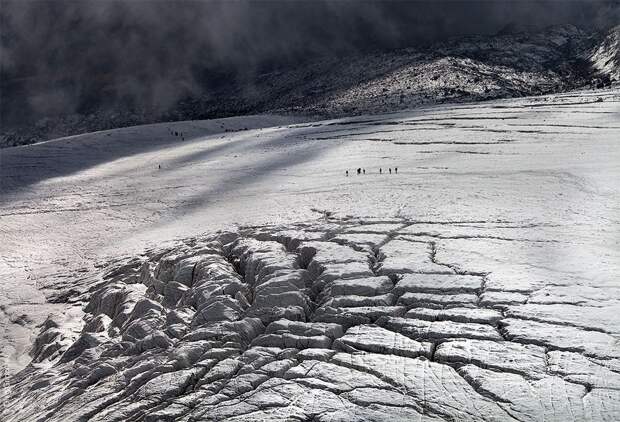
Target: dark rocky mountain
(472, 68)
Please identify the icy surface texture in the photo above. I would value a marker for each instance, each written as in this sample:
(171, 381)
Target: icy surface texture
(298, 323)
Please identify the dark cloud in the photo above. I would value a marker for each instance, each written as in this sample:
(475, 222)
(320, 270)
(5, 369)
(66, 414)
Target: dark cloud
(72, 55)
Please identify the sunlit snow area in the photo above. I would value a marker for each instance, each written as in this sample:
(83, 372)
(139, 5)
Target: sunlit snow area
(230, 268)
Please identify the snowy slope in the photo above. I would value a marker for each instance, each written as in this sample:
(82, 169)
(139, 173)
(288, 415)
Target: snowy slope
(515, 203)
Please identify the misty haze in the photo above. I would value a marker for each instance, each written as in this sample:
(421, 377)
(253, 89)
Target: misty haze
(309, 210)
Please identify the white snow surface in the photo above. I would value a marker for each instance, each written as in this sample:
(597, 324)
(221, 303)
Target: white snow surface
(524, 190)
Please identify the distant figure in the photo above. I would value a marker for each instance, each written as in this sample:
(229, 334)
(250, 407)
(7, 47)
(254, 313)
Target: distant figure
(159, 166)
(359, 170)
(347, 173)
(396, 170)
(364, 171)
(380, 170)
(390, 169)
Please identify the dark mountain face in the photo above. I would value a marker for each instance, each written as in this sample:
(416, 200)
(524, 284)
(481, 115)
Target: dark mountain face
(65, 64)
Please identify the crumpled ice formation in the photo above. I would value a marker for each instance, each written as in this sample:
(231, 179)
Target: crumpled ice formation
(312, 322)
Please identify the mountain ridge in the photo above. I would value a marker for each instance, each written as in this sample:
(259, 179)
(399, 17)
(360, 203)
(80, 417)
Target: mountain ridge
(472, 68)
